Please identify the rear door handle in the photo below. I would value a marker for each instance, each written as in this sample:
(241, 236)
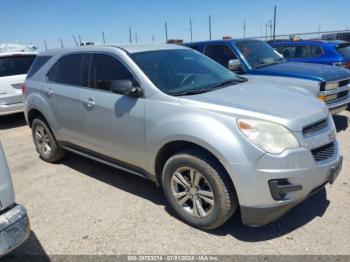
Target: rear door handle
(90, 103)
(49, 92)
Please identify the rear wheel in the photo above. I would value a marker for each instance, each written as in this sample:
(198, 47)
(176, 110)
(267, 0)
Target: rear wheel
(198, 189)
(45, 143)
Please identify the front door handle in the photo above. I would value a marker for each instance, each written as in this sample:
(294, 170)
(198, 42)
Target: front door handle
(90, 103)
(49, 92)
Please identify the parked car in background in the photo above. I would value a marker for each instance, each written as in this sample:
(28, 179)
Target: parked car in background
(14, 222)
(256, 59)
(213, 140)
(337, 36)
(13, 69)
(335, 53)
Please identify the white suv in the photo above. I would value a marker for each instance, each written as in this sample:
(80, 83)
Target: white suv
(13, 69)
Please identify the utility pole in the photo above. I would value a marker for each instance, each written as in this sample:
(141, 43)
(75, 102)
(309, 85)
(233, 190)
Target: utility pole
(61, 42)
(75, 41)
(270, 25)
(319, 31)
(274, 23)
(136, 40)
(266, 29)
(45, 45)
(130, 36)
(244, 28)
(209, 27)
(166, 31)
(153, 39)
(191, 30)
(103, 38)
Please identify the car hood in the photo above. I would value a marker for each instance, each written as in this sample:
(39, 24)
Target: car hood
(253, 99)
(316, 72)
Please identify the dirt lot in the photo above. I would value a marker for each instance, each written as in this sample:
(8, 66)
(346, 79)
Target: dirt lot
(82, 207)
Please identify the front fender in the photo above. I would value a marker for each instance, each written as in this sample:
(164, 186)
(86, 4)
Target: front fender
(216, 133)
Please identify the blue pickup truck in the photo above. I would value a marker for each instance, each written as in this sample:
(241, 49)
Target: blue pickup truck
(315, 51)
(256, 59)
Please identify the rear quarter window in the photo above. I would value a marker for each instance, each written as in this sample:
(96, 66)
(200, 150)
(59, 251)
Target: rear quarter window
(344, 50)
(15, 65)
(37, 64)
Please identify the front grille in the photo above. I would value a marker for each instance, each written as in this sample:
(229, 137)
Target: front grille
(343, 94)
(313, 128)
(344, 82)
(323, 152)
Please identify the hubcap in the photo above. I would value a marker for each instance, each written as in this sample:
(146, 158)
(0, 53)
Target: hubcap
(42, 140)
(192, 192)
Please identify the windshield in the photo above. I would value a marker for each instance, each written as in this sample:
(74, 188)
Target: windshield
(183, 72)
(344, 50)
(15, 65)
(258, 53)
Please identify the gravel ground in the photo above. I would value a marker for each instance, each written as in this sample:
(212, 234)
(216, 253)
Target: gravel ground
(81, 207)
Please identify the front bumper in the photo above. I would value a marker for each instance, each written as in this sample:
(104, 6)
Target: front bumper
(297, 168)
(11, 109)
(14, 229)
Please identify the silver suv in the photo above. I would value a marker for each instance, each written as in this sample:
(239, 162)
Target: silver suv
(213, 140)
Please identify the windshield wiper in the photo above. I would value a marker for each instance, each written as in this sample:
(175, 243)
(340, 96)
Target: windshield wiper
(279, 61)
(212, 87)
(191, 92)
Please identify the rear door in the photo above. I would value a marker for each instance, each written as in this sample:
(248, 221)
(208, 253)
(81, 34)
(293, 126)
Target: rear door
(114, 124)
(63, 93)
(13, 70)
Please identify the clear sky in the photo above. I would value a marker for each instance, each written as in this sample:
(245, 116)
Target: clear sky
(35, 20)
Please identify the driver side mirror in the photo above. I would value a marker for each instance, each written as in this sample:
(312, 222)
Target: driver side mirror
(234, 65)
(126, 87)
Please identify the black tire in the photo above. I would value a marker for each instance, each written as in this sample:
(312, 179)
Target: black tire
(56, 153)
(224, 195)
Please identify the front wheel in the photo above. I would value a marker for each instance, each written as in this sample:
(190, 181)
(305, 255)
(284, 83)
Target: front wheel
(198, 189)
(45, 143)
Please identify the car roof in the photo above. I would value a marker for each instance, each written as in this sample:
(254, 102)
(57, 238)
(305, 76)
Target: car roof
(310, 42)
(128, 48)
(221, 41)
(4, 54)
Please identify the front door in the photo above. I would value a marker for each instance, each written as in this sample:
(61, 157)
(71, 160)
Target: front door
(113, 123)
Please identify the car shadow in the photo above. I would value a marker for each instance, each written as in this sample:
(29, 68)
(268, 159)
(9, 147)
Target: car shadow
(12, 121)
(30, 250)
(122, 180)
(341, 122)
(297, 217)
(300, 215)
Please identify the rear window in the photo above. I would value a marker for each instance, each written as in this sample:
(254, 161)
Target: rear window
(344, 50)
(37, 64)
(15, 65)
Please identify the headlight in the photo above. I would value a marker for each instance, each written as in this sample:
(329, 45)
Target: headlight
(270, 137)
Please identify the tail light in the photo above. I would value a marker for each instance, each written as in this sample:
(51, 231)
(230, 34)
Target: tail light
(23, 87)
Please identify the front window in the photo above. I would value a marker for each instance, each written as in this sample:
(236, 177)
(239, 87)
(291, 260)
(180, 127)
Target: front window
(258, 53)
(184, 72)
(344, 50)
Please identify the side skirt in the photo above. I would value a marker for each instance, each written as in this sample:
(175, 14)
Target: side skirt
(108, 161)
